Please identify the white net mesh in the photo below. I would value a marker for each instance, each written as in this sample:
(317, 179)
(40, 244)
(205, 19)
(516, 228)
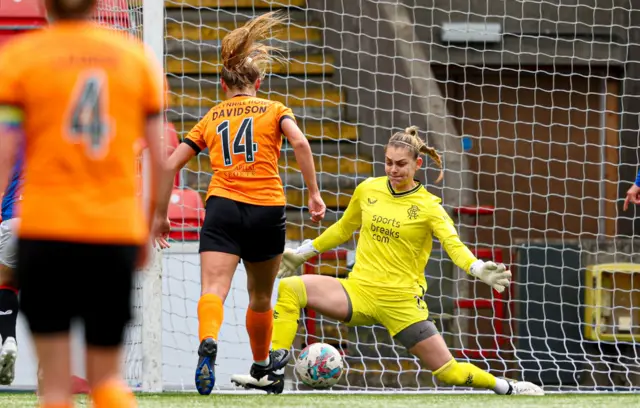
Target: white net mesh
(531, 130)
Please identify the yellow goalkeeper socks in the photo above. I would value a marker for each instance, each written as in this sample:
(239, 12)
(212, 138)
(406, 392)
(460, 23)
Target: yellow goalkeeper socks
(292, 296)
(210, 315)
(465, 374)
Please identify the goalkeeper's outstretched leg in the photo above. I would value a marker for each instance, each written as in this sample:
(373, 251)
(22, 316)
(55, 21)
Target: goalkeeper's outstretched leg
(329, 297)
(423, 340)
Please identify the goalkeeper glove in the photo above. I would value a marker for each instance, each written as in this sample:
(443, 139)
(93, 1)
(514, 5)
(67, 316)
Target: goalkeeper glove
(494, 275)
(293, 258)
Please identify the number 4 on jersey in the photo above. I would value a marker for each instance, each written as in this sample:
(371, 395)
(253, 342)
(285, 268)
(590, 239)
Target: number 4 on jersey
(242, 142)
(87, 113)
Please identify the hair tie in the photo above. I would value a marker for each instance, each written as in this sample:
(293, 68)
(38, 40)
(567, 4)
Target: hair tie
(404, 143)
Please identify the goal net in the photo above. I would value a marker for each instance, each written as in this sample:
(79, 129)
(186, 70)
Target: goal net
(533, 106)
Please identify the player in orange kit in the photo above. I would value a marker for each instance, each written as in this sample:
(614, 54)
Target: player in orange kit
(245, 206)
(80, 97)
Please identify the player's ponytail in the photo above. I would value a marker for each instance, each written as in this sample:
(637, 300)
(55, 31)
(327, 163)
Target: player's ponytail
(410, 139)
(71, 9)
(244, 58)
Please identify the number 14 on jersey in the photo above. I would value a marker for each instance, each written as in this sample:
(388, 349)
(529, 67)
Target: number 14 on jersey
(242, 142)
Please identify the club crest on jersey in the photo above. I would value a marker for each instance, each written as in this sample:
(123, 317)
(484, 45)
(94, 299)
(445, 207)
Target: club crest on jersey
(412, 212)
(372, 201)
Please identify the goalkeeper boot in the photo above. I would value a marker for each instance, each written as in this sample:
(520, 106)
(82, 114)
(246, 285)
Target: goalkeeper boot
(205, 372)
(523, 388)
(8, 361)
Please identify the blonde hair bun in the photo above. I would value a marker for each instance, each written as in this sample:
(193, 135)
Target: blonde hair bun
(412, 130)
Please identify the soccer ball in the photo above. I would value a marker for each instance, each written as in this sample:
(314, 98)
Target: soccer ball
(319, 365)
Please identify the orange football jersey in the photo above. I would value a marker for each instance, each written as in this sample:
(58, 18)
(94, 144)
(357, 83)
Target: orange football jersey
(244, 138)
(86, 93)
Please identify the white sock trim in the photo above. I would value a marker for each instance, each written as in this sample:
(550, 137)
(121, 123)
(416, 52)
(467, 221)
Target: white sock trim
(502, 386)
(263, 363)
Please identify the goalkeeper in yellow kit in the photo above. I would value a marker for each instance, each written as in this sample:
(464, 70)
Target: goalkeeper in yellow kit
(398, 219)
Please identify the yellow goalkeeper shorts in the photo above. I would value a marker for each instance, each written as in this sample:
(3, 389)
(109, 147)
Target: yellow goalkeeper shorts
(395, 311)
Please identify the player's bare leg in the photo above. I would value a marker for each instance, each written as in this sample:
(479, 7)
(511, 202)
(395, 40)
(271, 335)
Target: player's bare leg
(8, 321)
(268, 366)
(217, 269)
(53, 351)
(324, 294)
(435, 356)
(104, 377)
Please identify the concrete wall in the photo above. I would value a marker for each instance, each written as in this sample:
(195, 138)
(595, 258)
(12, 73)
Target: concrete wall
(545, 32)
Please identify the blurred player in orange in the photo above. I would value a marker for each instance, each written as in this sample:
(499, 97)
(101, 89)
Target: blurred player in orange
(80, 97)
(245, 206)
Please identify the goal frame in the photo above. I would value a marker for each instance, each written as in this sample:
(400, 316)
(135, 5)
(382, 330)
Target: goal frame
(151, 276)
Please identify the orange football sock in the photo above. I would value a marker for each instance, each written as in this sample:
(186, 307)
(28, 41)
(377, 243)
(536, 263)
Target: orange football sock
(260, 328)
(210, 314)
(113, 394)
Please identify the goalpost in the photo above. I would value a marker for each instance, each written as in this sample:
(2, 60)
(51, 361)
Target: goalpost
(143, 355)
(524, 101)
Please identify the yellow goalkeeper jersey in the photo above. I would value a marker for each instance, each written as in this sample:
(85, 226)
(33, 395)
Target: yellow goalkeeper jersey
(396, 235)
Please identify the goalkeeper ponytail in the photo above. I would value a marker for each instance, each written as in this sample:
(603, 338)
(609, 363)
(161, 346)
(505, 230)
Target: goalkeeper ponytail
(244, 58)
(71, 9)
(409, 139)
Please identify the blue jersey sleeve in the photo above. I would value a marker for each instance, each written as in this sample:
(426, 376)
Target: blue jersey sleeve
(12, 194)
